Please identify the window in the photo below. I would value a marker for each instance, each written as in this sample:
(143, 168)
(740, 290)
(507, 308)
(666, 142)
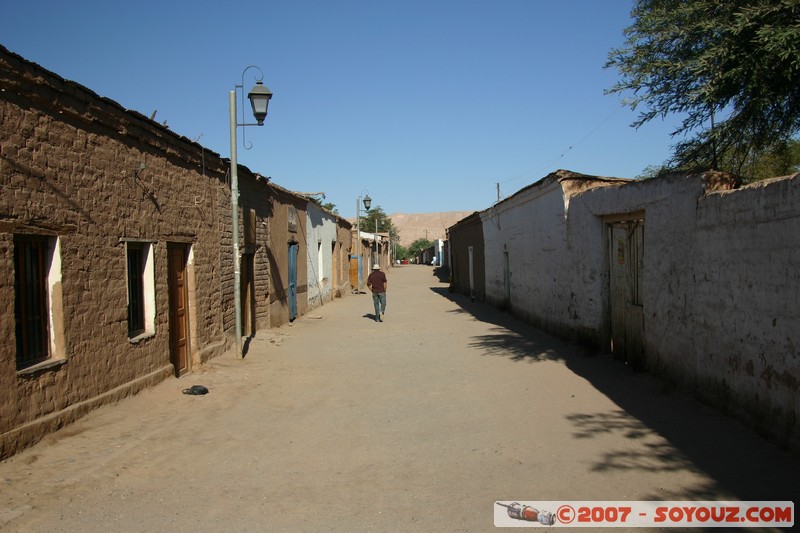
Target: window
(135, 288)
(37, 284)
(141, 289)
(30, 307)
(320, 264)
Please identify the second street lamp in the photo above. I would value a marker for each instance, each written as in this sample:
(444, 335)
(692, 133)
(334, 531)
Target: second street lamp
(367, 204)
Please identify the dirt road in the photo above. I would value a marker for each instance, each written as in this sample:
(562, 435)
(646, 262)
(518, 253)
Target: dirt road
(420, 423)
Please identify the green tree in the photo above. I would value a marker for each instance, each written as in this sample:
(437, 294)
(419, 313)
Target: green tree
(709, 59)
(330, 207)
(778, 160)
(653, 171)
(401, 252)
(384, 223)
(417, 246)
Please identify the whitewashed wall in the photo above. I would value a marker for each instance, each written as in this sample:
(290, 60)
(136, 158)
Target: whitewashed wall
(438, 251)
(322, 234)
(530, 227)
(720, 280)
(669, 247)
(721, 289)
(746, 302)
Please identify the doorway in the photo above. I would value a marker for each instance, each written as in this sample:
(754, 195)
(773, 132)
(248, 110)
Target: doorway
(471, 275)
(248, 293)
(294, 248)
(506, 281)
(178, 308)
(626, 308)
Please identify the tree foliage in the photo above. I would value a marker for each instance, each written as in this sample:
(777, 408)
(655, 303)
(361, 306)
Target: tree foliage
(780, 159)
(384, 223)
(419, 245)
(731, 68)
(401, 252)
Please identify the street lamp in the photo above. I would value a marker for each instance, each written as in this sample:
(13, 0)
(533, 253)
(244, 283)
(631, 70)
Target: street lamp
(367, 203)
(259, 97)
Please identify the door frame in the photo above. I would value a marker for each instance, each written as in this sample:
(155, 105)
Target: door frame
(625, 306)
(179, 315)
(294, 251)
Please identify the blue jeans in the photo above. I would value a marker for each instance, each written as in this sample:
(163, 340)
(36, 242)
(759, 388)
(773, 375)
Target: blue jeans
(379, 299)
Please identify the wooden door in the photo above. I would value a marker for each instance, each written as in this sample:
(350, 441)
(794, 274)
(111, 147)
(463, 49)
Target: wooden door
(626, 251)
(178, 309)
(354, 272)
(471, 275)
(293, 252)
(247, 288)
(507, 280)
(335, 274)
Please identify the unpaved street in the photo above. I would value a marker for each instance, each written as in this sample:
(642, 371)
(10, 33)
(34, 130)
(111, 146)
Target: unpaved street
(420, 423)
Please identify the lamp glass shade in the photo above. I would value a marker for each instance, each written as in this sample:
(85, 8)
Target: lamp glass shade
(259, 97)
(367, 202)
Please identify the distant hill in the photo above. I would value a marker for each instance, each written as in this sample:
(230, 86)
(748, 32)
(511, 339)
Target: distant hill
(429, 226)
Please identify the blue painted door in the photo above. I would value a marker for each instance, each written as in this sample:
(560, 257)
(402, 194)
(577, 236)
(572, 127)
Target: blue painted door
(293, 249)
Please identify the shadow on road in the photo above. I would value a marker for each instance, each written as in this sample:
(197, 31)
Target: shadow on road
(700, 439)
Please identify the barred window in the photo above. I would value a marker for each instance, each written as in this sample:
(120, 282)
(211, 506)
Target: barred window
(135, 288)
(32, 258)
(141, 288)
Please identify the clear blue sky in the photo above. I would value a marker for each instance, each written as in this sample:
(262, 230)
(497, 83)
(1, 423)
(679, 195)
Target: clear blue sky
(425, 104)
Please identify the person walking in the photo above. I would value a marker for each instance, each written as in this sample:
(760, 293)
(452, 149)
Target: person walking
(377, 283)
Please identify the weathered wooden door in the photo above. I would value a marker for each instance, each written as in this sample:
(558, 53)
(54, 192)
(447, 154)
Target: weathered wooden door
(248, 295)
(354, 272)
(507, 280)
(471, 274)
(178, 308)
(335, 268)
(626, 251)
(293, 250)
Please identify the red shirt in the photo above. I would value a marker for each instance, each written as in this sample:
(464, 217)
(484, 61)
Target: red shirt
(377, 281)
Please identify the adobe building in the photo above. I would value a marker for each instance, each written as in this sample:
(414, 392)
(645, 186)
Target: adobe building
(116, 264)
(688, 276)
(287, 255)
(329, 247)
(465, 241)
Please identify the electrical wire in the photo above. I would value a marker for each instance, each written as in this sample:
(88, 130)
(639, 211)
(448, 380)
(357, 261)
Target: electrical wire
(550, 162)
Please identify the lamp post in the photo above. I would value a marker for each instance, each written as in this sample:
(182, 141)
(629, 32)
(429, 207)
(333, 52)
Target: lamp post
(367, 203)
(377, 250)
(259, 97)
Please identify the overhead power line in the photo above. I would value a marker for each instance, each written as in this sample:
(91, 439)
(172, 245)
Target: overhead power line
(561, 155)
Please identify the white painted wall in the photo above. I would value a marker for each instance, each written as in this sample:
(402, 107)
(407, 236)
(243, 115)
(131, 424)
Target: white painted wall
(321, 234)
(669, 206)
(530, 228)
(438, 250)
(746, 299)
(720, 287)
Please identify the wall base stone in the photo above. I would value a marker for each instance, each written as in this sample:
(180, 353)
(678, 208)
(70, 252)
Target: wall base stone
(27, 435)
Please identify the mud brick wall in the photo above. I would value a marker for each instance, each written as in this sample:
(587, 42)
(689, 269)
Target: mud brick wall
(344, 238)
(82, 169)
(281, 235)
(254, 214)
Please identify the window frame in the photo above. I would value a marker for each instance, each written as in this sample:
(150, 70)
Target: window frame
(140, 288)
(31, 289)
(135, 261)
